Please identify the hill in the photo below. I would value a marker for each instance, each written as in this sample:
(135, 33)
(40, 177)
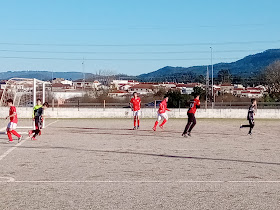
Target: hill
(246, 67)
(43, 75)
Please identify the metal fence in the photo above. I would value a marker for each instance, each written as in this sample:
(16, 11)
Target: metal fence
(242, 105)
(93, 105)
(216, 105)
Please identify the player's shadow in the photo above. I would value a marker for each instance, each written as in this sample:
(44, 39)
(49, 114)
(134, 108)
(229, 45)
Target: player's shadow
(216, 133)
(126, 129)
(111, 133)
(158, 155)
(105, 129)
(83, 130)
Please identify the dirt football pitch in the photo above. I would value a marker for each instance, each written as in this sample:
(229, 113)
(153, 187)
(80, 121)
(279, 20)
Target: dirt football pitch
(105, 164)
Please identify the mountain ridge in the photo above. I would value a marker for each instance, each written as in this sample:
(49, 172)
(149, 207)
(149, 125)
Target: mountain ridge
(246, 67)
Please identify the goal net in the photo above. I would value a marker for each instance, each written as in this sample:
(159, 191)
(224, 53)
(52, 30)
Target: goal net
(24, 92)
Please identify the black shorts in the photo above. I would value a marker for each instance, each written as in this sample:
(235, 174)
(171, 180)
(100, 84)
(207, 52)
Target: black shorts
(38, 123)
(191, 117)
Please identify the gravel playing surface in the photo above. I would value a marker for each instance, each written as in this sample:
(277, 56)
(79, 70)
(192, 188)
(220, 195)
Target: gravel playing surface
(104, 164)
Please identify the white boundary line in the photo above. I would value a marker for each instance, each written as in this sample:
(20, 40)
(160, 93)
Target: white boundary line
(21, 127)
(51, 123)
(12, 148)
(10, 179)
(17, 145)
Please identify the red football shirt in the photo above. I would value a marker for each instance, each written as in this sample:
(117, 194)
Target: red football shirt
(13, 110)
(136, 103)
(194, 103)
(163, 107)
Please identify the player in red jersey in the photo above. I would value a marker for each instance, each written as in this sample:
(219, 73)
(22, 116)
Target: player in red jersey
(135, 104)
(191, 118)
(11, 128)
(162, 114)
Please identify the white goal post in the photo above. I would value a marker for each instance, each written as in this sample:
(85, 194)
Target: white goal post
(24, 92)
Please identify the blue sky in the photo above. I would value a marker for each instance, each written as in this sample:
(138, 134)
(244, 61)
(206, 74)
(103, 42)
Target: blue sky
(132, 36)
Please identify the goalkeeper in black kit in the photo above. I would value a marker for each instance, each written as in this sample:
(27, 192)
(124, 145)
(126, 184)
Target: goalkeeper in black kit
(250, 116)
(38, 117)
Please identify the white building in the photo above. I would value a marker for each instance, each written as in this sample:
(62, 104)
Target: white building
(238, 91)
(142, 88)
(118, 93)
(62, 81)
(167, 85)
(63, 95)
(67, 82)
(249, 94)
(187, 88)
(3, 85)
(255, 89)
(122, 84)
(124, 87)
(91, 85)
(238, 86)
(227, 88)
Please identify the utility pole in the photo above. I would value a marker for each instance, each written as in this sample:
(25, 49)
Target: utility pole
(52, 82)
(207, 86)
(212, 77)
(84, 78)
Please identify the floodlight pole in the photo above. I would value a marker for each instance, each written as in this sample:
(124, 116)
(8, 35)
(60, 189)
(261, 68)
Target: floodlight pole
(44, 99)
(207, 87)
(34, 98)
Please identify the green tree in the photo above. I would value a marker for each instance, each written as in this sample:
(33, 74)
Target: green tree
(200, 79)
(176, 99)
(160, 92)
(199, 91)
(224, 76)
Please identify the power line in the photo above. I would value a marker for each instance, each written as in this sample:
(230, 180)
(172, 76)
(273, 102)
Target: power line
(143, 45)
(119, 52)
(140, 27)
(113, 59)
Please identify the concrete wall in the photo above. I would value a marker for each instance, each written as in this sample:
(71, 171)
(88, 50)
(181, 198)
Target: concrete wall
(26, 112)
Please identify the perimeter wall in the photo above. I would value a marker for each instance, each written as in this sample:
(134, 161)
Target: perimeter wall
(26, 112)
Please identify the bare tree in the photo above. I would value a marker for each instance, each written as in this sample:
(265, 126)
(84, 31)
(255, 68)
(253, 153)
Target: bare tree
(106, 77)
(272, 76)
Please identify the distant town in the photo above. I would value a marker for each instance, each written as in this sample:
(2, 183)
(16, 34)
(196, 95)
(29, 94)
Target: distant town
(63, 90)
